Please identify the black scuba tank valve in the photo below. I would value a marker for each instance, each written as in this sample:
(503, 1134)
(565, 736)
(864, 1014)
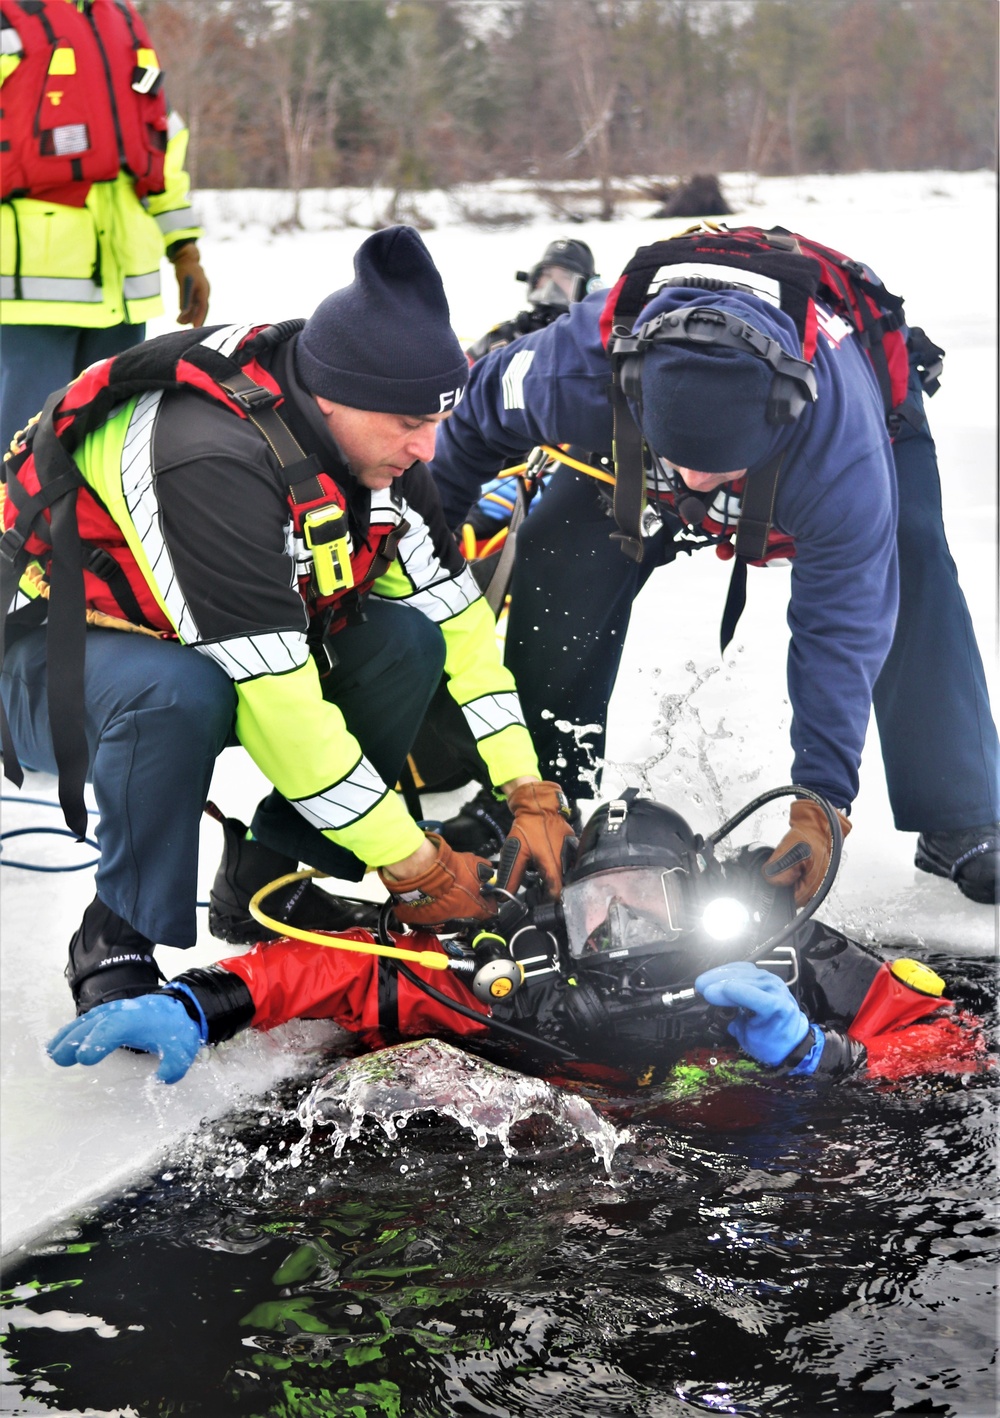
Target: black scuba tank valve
(497, 974)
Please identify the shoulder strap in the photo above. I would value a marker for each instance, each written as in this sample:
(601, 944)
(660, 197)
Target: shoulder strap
(60, 480)
(752, 532)
(630, 479)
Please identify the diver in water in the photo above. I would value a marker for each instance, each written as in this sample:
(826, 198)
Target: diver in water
(657, 950)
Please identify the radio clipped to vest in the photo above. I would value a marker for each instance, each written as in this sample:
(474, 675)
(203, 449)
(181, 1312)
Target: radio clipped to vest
(324, 531)
(319, 515)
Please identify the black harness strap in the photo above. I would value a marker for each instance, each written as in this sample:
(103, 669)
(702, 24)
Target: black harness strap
(101, 563)
(496, 591)
(64, 638)
(752, 532)
(255, 401)
(59, 478)
(60, 482)
(630, 480)
(388, 997)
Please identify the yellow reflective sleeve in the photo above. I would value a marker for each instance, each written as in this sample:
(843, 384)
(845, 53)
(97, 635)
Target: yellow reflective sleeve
(302, 745)
(8, 63)
(477, 673)
(176, 194)
(393, 584)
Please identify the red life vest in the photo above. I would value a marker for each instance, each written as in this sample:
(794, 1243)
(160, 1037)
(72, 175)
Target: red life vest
(50, 514)
(84, 103)
(800, 272)
(815, 286)
(113, 582)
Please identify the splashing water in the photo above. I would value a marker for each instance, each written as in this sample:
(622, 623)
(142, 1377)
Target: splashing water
(428, 1075)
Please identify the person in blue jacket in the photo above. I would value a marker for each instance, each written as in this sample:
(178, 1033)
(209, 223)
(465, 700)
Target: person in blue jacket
(703, 413)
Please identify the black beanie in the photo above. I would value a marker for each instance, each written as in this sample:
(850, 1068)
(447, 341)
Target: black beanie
(385, 342)
(706, 409)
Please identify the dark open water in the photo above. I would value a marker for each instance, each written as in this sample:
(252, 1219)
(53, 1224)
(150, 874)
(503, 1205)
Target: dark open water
(758, 1247)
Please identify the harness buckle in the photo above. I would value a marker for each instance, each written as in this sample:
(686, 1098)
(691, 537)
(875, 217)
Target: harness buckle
(254, 396)
(11, 544)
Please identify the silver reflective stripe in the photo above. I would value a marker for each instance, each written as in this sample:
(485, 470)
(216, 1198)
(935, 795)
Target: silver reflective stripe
(227, 339)
(141, 287)
(345, 802)
(175, 124)
(173, 221)
(446, 599)
(492, 714)
(242, 657)
(140, 499)
(52, 288)
(10, 42)
(245, 657)
(436, 594)
(512, 383)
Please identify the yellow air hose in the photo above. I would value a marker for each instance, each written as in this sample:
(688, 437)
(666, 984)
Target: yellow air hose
(432, 959)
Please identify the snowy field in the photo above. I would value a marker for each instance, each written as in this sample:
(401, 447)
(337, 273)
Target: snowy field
(703, 734)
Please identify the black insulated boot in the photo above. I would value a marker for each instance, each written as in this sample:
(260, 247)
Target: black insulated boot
(970, 856)
(246, 866)
(480, 825)
(109, 960)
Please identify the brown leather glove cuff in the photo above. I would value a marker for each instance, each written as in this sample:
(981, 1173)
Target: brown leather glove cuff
(447, 890)
(539, 798)
(430, 882)
(185, 255)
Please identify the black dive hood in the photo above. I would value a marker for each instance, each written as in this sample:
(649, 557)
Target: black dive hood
(645, 889)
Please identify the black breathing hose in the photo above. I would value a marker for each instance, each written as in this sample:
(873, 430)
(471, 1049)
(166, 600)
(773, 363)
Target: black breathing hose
(823, 890)
(779, 937)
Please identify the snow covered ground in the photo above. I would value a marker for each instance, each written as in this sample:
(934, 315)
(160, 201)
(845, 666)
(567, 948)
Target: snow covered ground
(703, 734)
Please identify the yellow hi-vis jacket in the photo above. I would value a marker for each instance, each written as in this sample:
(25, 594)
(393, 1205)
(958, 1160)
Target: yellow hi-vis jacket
(97, 264)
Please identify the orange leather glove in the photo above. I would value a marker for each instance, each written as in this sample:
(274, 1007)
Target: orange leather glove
(448, 890)
(809, 830)
(192, 283)
(538, 836)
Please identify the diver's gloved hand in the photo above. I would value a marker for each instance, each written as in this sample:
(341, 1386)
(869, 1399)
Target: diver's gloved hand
(539, 833)
(769, 1026)
(450, 889)
(802, 856)
(153, 1024)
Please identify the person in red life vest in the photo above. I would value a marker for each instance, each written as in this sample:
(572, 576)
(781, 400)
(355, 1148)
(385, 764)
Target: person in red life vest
(94, 194)
(246, 547)
(634, 973)
(877, 615)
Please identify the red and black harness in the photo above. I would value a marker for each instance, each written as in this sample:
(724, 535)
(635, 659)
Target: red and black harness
(803, 272)
(52, 515)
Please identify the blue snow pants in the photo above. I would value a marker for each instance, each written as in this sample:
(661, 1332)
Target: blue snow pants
(158, 714)
(571, 601)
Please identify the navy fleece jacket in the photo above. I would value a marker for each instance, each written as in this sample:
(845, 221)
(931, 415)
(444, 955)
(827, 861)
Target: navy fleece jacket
(836, 499)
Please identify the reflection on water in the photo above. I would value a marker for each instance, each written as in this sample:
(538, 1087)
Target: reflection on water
(752, 1247)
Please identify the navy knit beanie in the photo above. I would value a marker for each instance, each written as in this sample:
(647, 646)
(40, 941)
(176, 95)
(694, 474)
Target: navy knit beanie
(385, 342)
(706, 409)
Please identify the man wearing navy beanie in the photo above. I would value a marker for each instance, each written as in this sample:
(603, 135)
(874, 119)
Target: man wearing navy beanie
(385, 342)
(735, 438)
(304, 596)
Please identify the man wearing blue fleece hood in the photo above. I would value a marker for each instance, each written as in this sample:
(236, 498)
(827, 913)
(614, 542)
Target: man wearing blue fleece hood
(708, 420)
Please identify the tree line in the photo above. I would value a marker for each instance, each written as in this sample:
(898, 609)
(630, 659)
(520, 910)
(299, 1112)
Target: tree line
(414, 94)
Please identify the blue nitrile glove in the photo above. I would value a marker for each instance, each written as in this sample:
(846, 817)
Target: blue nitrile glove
(153, 1024)
(770, 1024)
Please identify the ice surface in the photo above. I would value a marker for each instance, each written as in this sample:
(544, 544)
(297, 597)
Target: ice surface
(703, 734)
